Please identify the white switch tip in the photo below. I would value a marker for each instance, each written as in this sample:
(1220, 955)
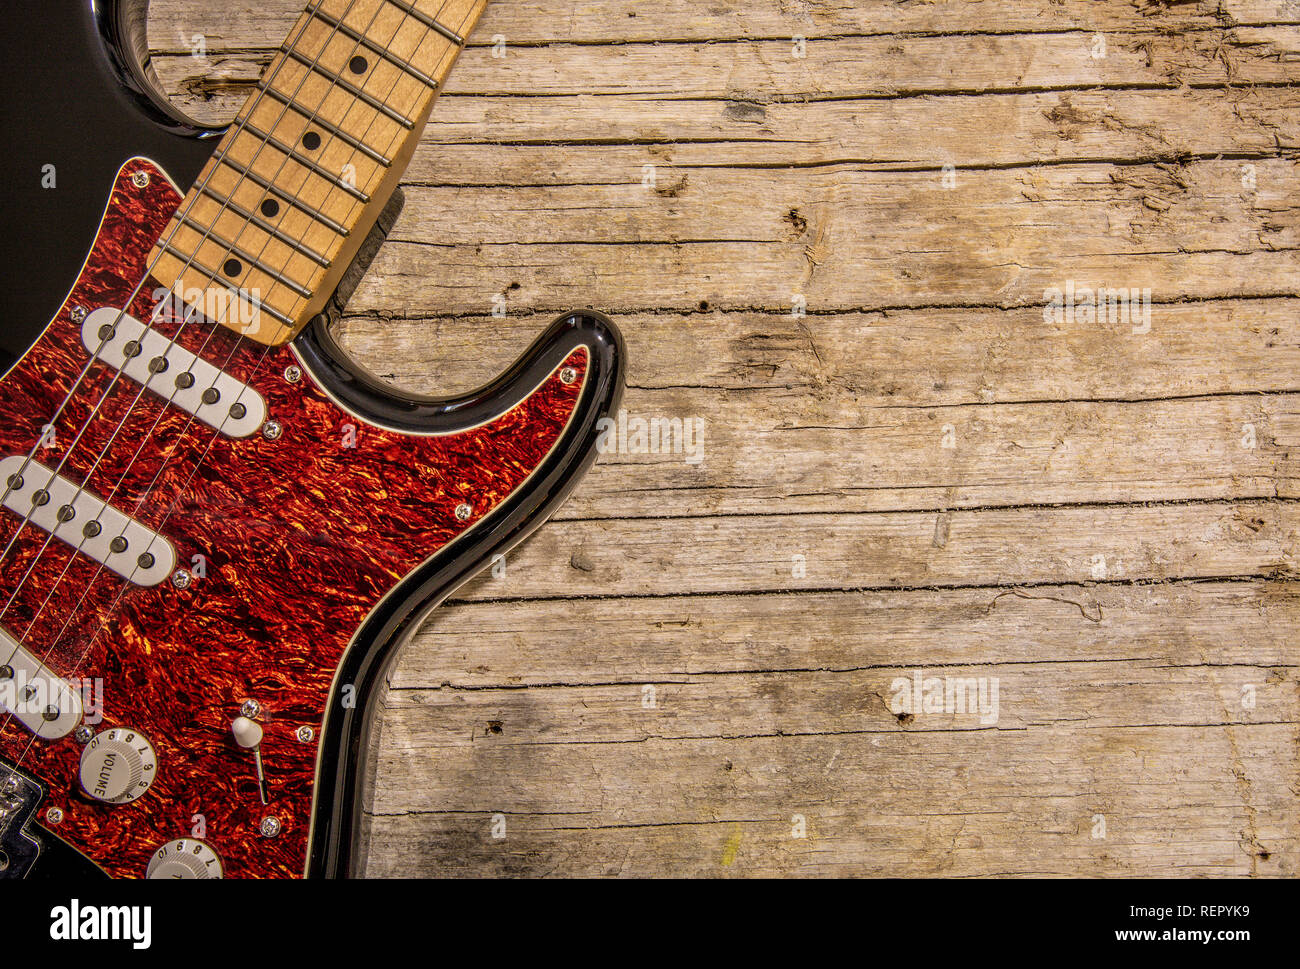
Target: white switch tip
(247, 732)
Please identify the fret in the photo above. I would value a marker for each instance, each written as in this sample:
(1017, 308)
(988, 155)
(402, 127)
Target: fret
(307, 163)
(216, 280)
(210, 233)
(348, 86)
(374, 48)
(343, 103)
(295, 244)
(288, 197)
(315, 120)
(428, 21)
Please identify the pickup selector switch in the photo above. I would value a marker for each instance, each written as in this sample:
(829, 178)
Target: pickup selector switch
(118, 765)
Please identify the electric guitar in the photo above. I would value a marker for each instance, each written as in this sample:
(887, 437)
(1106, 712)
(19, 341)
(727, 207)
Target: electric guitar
(215, 528)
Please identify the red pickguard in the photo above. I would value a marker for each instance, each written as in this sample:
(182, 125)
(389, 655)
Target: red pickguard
(302, 537)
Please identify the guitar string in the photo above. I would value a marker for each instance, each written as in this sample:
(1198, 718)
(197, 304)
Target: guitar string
(170, 345)
(216, 161)
(234, 349)
(126, 585)
(108, 499)
(212, 440)
(42, 663)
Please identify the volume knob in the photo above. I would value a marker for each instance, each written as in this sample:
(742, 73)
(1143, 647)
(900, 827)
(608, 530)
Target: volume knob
(118, 765)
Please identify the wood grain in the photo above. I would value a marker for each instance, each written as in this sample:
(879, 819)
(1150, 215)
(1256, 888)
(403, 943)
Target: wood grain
(910, 471)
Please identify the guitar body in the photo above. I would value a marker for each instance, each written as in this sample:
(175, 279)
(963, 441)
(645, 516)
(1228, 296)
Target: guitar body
(304, 552)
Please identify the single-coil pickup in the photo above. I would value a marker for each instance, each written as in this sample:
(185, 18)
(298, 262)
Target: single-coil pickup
(42, 702)
(73, 515)
(173, 373)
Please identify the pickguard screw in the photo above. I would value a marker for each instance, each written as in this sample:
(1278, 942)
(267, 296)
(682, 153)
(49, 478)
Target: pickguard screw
(54, 815)
(269, 827)
(293, 373)
(78, 314)
(140, 179)
(272, 430)
(83, 734)
(306, 734)
(250, 708)
(463, 512)
(568, 375)
(181, 579)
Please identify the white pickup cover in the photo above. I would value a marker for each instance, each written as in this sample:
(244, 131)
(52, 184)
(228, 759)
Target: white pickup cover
(29, 691)
(150, 345)
(22, 478)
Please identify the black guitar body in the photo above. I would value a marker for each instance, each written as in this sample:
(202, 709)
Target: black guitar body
(81, 100)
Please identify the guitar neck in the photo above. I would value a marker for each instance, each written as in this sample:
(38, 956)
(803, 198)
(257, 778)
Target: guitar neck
(276, 216)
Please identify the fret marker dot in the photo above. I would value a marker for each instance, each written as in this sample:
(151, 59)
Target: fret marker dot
(270, 208)
(311, 141)
(232, 268)
(358, 65)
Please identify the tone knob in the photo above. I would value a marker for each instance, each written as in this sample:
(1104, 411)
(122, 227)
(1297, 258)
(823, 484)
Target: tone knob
(118, 765)
(184, 858)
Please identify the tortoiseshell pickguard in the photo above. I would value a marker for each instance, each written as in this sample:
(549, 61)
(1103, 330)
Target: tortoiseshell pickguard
(300, 537)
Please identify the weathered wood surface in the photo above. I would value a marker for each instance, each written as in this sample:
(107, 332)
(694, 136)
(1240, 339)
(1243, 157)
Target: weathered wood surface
(922, 473)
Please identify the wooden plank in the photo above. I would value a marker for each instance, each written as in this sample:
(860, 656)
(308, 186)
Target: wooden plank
(904, 550)
(844, 677)
(1145, 206)
(777, 395)
(906, 358)
(750, 453)
(761, 72)
(954, 803)
(846, 240)
(264, 23)
(493, 646)
(757, 461)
